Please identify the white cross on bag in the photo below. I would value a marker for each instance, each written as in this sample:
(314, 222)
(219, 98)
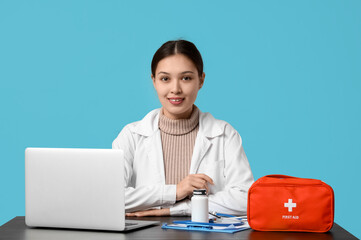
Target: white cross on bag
(290, 205)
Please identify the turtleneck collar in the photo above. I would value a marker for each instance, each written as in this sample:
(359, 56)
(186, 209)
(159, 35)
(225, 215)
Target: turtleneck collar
(179, 126)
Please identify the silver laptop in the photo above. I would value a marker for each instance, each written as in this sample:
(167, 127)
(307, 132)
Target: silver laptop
(76, 188)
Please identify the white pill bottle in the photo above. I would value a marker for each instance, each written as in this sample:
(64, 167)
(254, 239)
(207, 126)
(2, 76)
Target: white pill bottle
(200, 206)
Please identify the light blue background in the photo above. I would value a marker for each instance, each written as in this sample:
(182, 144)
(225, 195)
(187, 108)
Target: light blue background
(286, 74)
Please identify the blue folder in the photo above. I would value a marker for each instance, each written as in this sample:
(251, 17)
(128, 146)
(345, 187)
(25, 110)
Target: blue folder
(206, 227)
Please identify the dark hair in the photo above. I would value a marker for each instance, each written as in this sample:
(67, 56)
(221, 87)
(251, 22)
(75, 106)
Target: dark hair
(178, 47)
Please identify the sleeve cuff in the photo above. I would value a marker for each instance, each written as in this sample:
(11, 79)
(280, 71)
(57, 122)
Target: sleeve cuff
(182, 208)
(169, 194)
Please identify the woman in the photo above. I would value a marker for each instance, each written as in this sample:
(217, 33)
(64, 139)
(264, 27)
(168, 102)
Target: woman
(178, 148)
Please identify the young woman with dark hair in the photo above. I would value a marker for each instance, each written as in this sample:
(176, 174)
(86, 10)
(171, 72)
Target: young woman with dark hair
(177, 148)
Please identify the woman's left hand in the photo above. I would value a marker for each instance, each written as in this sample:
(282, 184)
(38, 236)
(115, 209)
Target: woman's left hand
(149, 213)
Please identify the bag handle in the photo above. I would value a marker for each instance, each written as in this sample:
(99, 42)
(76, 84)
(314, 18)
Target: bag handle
(289, 177)
(279, 176)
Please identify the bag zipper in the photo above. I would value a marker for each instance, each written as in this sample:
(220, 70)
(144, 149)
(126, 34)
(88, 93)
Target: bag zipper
(288, 184)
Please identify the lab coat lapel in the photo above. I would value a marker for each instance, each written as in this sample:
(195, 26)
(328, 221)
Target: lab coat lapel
(148, 127)
(209, 128)
(201, 146)
(155, 155)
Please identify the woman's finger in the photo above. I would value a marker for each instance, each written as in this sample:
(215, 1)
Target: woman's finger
(207, 178)
(153, 212)
(200, 184)
(202, 176)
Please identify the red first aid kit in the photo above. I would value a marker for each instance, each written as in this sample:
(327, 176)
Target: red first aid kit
(284, 203)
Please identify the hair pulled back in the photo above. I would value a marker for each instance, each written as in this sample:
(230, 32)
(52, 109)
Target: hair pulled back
(178, 47)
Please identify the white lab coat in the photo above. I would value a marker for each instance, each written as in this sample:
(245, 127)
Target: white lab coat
(218, 153)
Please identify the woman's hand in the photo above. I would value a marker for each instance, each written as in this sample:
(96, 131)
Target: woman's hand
(150, 213)
(191, 182)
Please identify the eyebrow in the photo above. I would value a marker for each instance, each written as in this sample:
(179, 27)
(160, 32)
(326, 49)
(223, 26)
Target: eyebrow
(163, 73)
(181, 72)
(187, 72)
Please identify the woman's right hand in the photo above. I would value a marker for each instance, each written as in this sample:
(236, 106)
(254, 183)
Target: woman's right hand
(192, 181)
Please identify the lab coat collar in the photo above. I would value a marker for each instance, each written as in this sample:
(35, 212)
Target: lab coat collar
(208, 125)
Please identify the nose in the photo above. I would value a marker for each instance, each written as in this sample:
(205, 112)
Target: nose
(176, 87)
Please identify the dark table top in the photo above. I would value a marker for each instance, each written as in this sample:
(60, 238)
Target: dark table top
(16, 229)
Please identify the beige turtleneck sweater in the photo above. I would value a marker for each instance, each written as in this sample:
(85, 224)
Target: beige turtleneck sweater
(178, 139)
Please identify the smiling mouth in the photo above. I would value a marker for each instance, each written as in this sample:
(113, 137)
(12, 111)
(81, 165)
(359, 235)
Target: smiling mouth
(176, 100)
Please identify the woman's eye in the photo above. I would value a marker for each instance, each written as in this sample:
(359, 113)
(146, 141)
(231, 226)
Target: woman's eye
(164, 79)
(186, 78)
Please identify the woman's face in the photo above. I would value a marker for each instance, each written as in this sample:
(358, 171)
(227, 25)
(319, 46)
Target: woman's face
(177, 83)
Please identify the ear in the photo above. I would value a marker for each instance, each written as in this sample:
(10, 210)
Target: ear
(202, 80)
(153, 79)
